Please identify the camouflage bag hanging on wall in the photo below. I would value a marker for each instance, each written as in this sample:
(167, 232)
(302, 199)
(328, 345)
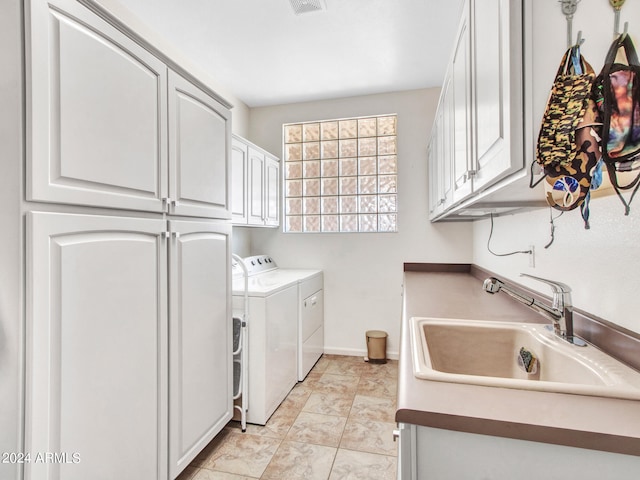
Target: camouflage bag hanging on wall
(568, 148)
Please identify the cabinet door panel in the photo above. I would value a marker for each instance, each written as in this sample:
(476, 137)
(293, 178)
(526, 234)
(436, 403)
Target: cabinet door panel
(497, 59)
(272, 191)
(200, 137)
(239, 176)
(256, 187)
(96, 347)
(461, 85)
(201, 373)
(96, 113)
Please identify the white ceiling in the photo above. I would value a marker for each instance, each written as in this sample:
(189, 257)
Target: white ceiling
(266, 55)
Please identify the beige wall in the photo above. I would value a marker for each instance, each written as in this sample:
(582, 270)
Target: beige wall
(601, 265)
(363, 272)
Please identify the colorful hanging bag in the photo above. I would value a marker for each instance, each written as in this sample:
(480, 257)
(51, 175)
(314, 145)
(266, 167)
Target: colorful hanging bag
(617, 93)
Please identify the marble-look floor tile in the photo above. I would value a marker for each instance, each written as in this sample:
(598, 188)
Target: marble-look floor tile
(321, 365)
(377, 386)
(340, 384)
(300, 461)
(218, 440)
(243, 454)
(206, 474)
(369, 436)
(188, 473)
(347, 358)
(277, 426)
(389, 369)
(310, 382)
(296, 399)
(381, 409)
(345, 367)
(318, 429)
(329, 404)
(350, 465)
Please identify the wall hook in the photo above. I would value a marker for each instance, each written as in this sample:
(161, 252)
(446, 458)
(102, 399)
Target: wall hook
(569, 7)
(617, 6)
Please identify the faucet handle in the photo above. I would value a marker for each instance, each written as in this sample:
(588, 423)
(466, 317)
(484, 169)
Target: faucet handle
(557, 287)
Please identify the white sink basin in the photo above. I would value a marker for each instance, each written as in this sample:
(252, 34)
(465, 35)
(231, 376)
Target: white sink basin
(486, 353)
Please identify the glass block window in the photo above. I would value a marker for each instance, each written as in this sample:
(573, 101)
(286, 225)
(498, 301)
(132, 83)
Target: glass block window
(341, 175)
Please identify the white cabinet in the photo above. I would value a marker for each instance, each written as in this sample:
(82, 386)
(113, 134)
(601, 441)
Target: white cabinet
(256, 194)
(271, 191)
(460, 109)
(497, 40)
(256, 187)
(126, 358)
(426, 453)
(96, 112)
(440, 152)
(200, 143)
(239, 181)
(109, 126)
(96, 379)
(483, 96)
(200, 356)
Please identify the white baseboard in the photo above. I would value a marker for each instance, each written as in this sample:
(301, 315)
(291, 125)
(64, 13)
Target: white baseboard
(356, 352)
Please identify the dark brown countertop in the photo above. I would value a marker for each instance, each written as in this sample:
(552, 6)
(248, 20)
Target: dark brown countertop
(597, 423)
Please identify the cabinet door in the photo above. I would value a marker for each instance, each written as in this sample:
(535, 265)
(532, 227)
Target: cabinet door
(96, 359)
(496, 79)
(446, 143)
(239, 177)
(256, 187)
(200, 152)
(200, 333)
(96, 112)
(272, 191)
(461, 109)
(434, 180)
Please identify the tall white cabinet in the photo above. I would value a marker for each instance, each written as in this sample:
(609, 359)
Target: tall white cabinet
(97, 350)
(125, 223)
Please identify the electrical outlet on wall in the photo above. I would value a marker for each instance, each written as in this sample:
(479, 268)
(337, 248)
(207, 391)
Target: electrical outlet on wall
(532, 256)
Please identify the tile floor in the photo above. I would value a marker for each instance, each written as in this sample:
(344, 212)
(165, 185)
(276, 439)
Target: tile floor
(335, 425)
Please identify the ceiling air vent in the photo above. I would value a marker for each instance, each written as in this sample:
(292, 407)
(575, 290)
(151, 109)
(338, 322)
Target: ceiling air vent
(307, 6)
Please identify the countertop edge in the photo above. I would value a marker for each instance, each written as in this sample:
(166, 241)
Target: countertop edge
(522, 431)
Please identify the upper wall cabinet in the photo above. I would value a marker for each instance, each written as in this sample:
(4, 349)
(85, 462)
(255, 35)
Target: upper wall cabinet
(200, 144)
(485, 86)
(109, 126)
(255, 185)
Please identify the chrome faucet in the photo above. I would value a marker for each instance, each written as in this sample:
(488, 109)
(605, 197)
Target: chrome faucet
(560, 312)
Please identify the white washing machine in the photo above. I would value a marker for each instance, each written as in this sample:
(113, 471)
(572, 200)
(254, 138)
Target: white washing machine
(280, 349)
